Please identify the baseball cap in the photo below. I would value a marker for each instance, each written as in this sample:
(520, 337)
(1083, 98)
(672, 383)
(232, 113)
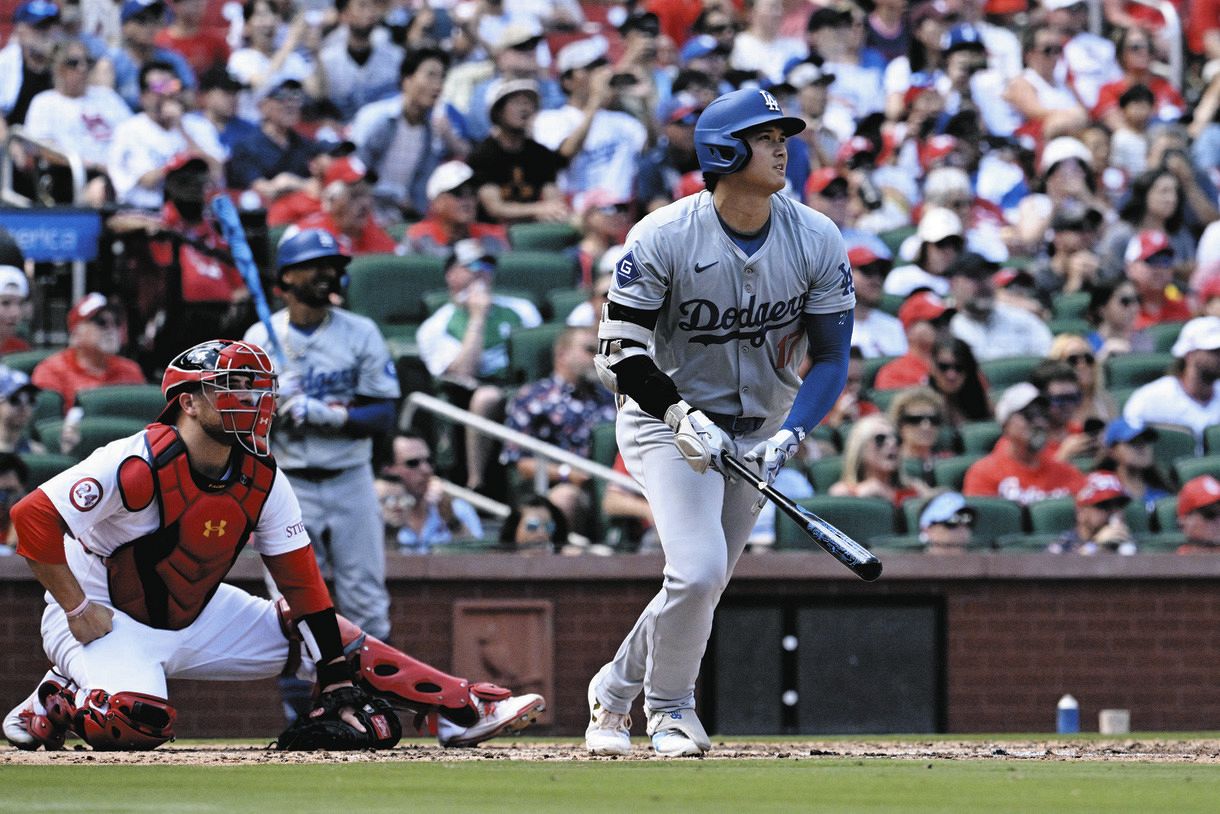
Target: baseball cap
(855, 146)
(581, 54)
(13, 381)
(1011, 276)
(805, 73)
(924, 306)
(1075, 218)
(518, 35)
(681, 108)
(1201, 333)
(937, 224)
(1061, 149)
(1006, 6)
(861, 256)
(278, 90)
(1016, 399)
(1198, 493)
(647, 22)
(1122, 431)
(218, 78)
(473, 255)
(185, 159)
(699, 47)
(943, 508)
(1101, 487)
(972, 265)
(13, 282)
(962, 35)
(33, 12)
(504, 88)
(826, 17)
(89, 307)
(934, 148)
(349, 170)
(1147, 244)
(1055, 5)
(134, 8)
(447, 177)
(821, 178)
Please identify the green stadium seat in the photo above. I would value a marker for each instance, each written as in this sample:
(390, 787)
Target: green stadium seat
(1070, 305)
(1163, 335)
(894, 238)
(458, 547)
(979, 437)
(1166, 513)
(536, 272)
(1211, 440)
(1024, 543)
(546, 237)
(562, 301)
(27, 360)
(884, 398)
(897, 543)
(949, 473)
(95, 431)
(46, 465)
(529, 352)
(994, 517)
(398, 231)
(1164, 543)
(1004, 373)
(433, 300)
(1172, 443)
(1121, 394)
(143, 401)
(861, 518)
(1069, 325)
(390, 289)
(1059, 514)
(1136, 369)
(890, 303)
(603, 444)
(274, 235)
(1186, 468)
(828, 435)
(47, 404)
(825, 472)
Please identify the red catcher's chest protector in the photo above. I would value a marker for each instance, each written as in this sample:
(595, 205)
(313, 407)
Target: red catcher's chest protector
(165, 578)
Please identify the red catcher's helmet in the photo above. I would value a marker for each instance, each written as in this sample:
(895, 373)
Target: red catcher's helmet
(240, 381)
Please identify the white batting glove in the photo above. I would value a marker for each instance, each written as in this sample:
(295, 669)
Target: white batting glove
(289, 387)
(700, 442)
(773, 453)
(302, 409)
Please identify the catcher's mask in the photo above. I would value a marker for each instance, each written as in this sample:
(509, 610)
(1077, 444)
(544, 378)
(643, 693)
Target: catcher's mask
(237, 378)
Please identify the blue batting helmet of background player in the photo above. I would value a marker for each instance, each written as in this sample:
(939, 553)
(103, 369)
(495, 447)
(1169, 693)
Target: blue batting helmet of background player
(718, 142)
(308, 245)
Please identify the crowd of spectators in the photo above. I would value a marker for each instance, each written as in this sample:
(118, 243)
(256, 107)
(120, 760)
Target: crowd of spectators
(1030, 207)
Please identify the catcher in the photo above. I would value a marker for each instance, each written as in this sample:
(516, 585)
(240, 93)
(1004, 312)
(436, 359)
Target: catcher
(131, 546)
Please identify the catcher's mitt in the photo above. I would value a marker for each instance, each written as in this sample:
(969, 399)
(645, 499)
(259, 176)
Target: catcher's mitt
(382, 729)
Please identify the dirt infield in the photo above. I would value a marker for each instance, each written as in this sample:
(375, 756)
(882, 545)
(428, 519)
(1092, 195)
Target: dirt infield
(1101, 750)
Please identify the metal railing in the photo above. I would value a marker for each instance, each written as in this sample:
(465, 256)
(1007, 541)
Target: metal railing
(55, 155)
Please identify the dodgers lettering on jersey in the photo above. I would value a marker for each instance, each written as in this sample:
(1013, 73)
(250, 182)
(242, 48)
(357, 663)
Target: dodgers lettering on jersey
(343, 358)
(729, 330)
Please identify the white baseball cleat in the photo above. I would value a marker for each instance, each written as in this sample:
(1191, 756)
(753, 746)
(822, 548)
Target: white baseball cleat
(43, 719)
(678, 734)
(608, 733)
(496, 717)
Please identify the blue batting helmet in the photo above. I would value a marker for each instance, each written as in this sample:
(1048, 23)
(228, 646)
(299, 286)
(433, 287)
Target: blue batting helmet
(308, 245)
(718, 142)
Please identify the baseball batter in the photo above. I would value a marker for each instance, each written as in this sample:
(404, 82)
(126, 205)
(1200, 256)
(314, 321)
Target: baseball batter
(132, 546)
(715, 304)
(338, 389)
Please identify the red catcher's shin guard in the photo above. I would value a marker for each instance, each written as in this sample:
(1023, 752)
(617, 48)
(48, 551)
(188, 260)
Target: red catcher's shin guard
(125, 721)
(405, 682)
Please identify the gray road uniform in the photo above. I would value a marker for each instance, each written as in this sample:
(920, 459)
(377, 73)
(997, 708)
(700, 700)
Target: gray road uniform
(729, 333)
(331, 470)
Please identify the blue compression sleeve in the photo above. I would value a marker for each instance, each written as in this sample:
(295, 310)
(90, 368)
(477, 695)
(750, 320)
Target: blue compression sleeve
(830, 346)
(372, 418)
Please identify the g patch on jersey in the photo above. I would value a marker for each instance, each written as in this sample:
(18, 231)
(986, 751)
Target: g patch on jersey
(625, 271)
(85, 494)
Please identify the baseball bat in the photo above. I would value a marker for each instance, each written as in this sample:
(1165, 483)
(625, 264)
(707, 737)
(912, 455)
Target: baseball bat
(243, 258)
(862, 562)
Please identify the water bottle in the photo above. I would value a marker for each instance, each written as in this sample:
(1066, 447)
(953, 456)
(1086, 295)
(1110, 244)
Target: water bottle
(1067, 719)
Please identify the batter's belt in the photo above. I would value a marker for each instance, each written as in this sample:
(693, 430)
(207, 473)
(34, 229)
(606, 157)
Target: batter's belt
(314, 474)
(736, 424)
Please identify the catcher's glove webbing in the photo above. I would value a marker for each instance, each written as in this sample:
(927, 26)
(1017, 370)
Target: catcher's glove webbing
(382, 729)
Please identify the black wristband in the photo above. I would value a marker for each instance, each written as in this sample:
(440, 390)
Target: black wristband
(334, 672)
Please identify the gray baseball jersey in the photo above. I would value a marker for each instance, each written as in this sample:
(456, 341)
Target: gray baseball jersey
(729, 331)
(344, 357)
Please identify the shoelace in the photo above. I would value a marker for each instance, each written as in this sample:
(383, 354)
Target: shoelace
(605, 719)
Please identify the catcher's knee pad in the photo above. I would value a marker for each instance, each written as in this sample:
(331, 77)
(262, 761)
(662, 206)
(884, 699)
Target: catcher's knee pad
(50, 729)
(406, 682)
(124, 721)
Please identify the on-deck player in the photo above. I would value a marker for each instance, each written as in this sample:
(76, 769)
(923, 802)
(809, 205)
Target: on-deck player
(337, 391)
(713, 308)
(132, 545)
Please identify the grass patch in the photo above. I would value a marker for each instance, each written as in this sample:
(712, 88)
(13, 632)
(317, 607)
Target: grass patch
(781, 785)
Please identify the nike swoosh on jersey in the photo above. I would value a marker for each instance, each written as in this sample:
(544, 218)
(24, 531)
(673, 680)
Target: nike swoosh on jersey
(700, 269)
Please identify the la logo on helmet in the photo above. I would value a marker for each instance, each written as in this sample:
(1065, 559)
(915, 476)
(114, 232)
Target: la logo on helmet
(770, 101)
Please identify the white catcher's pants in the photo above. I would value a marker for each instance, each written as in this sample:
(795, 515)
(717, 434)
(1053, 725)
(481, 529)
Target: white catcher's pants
(703, 522)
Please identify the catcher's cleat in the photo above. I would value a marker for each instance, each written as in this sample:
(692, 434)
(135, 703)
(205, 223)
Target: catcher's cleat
(43, 719)
(497, 715)
(608, 733)
(678, 734)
